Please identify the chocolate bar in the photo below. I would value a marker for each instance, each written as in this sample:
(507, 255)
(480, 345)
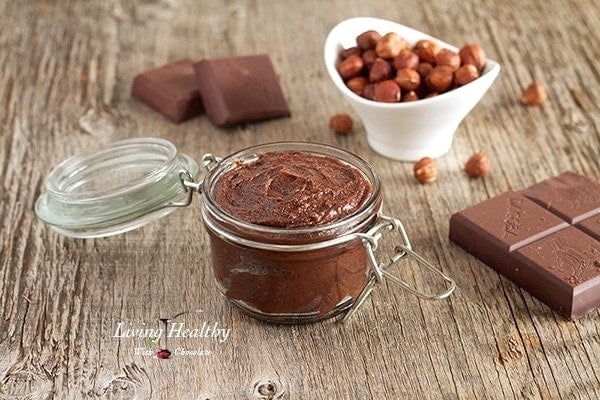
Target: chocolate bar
(544, 238)
(240, 89)
(171, 90)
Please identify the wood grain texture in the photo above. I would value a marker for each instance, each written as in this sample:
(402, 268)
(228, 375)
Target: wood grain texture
(65, 73)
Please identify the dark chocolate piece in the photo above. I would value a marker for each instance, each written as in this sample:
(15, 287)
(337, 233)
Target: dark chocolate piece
(591, 226)
(171, 90)
(534, 245)
(240, 89)
(562, 270)
(507, 222)
(571, 196)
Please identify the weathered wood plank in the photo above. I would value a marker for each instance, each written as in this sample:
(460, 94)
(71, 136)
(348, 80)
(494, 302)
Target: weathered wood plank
(67, 68)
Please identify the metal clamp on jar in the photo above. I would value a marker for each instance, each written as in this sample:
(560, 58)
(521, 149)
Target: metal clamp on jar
(278, 274)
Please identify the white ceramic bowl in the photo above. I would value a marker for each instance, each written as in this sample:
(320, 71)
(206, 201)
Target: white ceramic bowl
(412, 130)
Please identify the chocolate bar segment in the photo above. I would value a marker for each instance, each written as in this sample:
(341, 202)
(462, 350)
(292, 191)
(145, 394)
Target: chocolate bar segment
(591, 226)
(241, 89)
(571, 196)
(171, 90)
(562, 270)
(534, 243)
(504, 223)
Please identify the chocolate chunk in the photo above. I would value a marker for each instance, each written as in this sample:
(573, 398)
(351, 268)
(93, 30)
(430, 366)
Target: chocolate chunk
(570, 196)
(171, 90)
(533, 243)
(240, 89)
(562, 270)
(591, 226)
(508, 221)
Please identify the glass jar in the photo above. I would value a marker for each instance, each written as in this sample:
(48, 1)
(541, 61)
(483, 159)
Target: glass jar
(286, 275)
(289, 274)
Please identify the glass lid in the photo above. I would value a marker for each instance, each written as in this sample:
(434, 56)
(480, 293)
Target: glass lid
(116, 188)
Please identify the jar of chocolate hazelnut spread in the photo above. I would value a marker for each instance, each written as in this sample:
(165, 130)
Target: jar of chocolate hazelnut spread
(281, 219)
(294, 227)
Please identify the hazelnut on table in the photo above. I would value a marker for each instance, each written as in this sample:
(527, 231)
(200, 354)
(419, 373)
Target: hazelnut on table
(425, 170)
(478, 165)
(341, 123)
(534, 95)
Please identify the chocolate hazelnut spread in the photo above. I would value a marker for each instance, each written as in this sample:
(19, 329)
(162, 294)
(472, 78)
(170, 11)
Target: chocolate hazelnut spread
(295, 195)
(292, 189)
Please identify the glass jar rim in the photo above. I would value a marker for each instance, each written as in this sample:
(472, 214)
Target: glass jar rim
(118, 187)
(74, 165)
(316, 148)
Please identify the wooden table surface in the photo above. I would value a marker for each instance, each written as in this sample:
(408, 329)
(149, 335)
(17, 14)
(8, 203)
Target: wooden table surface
(66, 69)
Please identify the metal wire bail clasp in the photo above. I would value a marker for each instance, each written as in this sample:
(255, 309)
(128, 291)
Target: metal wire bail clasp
(379, 270)
(209, 161)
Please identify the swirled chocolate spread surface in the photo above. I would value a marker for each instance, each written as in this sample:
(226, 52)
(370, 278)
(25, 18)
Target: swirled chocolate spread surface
(292, 189)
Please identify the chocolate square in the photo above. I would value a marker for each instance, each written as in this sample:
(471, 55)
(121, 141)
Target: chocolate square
(571, 196)
(240, 89)
(591, 226)
(171, 90)
(507, 222)
(562, 270)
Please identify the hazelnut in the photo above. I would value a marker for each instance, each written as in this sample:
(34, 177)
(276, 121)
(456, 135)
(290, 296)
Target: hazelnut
(350, 67)
(408, 79)
(440, 79)
(478, 165)
(472, 54)
(357, 84)
(449, 58)
(369, 91)
(352, 51)
(367, 40)
(409, 96)
(369, 57)
(465, 74)
(406, 59)
(390, 45)
(426, 50)
(424, 69)
(341, 123)
(426, 170)
(535, 94)
(380, 71)
(387, 91)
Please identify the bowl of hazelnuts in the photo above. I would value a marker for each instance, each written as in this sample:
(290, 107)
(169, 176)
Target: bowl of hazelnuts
(410, 90)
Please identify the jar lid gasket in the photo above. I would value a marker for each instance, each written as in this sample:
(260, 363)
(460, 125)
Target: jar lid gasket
(114, 189)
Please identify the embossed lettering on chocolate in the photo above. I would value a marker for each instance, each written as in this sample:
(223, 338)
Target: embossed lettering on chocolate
(300, 195)
(528, 237)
